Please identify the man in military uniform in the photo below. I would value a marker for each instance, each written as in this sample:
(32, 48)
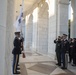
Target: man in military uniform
(74, 53)
(16, 52)
(71, 48)
(64, 49)
(58, 50)
(22, 41)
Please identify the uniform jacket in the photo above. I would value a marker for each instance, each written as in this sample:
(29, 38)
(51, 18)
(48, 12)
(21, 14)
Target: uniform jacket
(17, 46)
(58, 45)
(64, 46)
(71, 48)
(74, 48)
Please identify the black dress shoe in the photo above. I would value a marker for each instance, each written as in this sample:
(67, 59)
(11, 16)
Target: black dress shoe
(17, 73)
(63, 68)
(56, 63)
(18, 68)
(18, 65)
(69, 62)
(59, 65)
(73, 64)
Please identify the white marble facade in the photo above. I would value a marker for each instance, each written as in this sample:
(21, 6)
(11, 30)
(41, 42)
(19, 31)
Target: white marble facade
(63, 6)
(49, 21)
(73, 20)
(42, 26)
(52, 28)
(6, 36)
(3, 12)
(28, 32)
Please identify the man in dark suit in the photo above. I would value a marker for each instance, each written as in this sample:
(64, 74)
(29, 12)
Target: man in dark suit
(64, 49)
(16, 52)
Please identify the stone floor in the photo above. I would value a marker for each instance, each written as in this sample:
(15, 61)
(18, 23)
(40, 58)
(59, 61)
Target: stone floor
(37, 64)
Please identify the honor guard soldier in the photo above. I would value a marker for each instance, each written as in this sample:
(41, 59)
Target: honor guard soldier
(16, 52)
(22, 42)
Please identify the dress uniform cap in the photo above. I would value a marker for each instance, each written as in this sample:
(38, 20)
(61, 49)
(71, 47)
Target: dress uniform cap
(17, 32)
(65, 34)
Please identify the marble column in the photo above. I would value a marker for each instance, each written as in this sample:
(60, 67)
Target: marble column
(35, 19)
(42, 28)
(29, 31)
(6, 27)
(52, 27)
(9, 37)
(62, 17)
(3, 12)
(23, 29)
(73, 19)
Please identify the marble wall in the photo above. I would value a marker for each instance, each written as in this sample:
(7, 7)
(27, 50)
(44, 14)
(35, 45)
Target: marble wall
(52, 28)
(63, 6)
(50, 20)
(6, 36)
(73, 19)
(9, 37)
(34, 38)
(29, 31)
(3, 12)
(38, 36)
(42, 26)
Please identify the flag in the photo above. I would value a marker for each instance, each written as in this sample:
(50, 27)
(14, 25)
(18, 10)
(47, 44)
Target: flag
(19, 19)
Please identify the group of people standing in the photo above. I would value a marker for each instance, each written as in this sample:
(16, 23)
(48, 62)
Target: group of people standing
(64, 47)
(17, 50)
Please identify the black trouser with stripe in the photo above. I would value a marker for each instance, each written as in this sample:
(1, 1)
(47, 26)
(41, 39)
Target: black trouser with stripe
(63, 59)
(58, 54)
(15, 62)
(74, 58)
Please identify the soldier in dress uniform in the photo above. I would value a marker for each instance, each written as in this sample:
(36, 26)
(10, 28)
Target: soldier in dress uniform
(74, 53)
(16, 52)
(64, 49)
(71, 49)
(58, 50)
(22, 42)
